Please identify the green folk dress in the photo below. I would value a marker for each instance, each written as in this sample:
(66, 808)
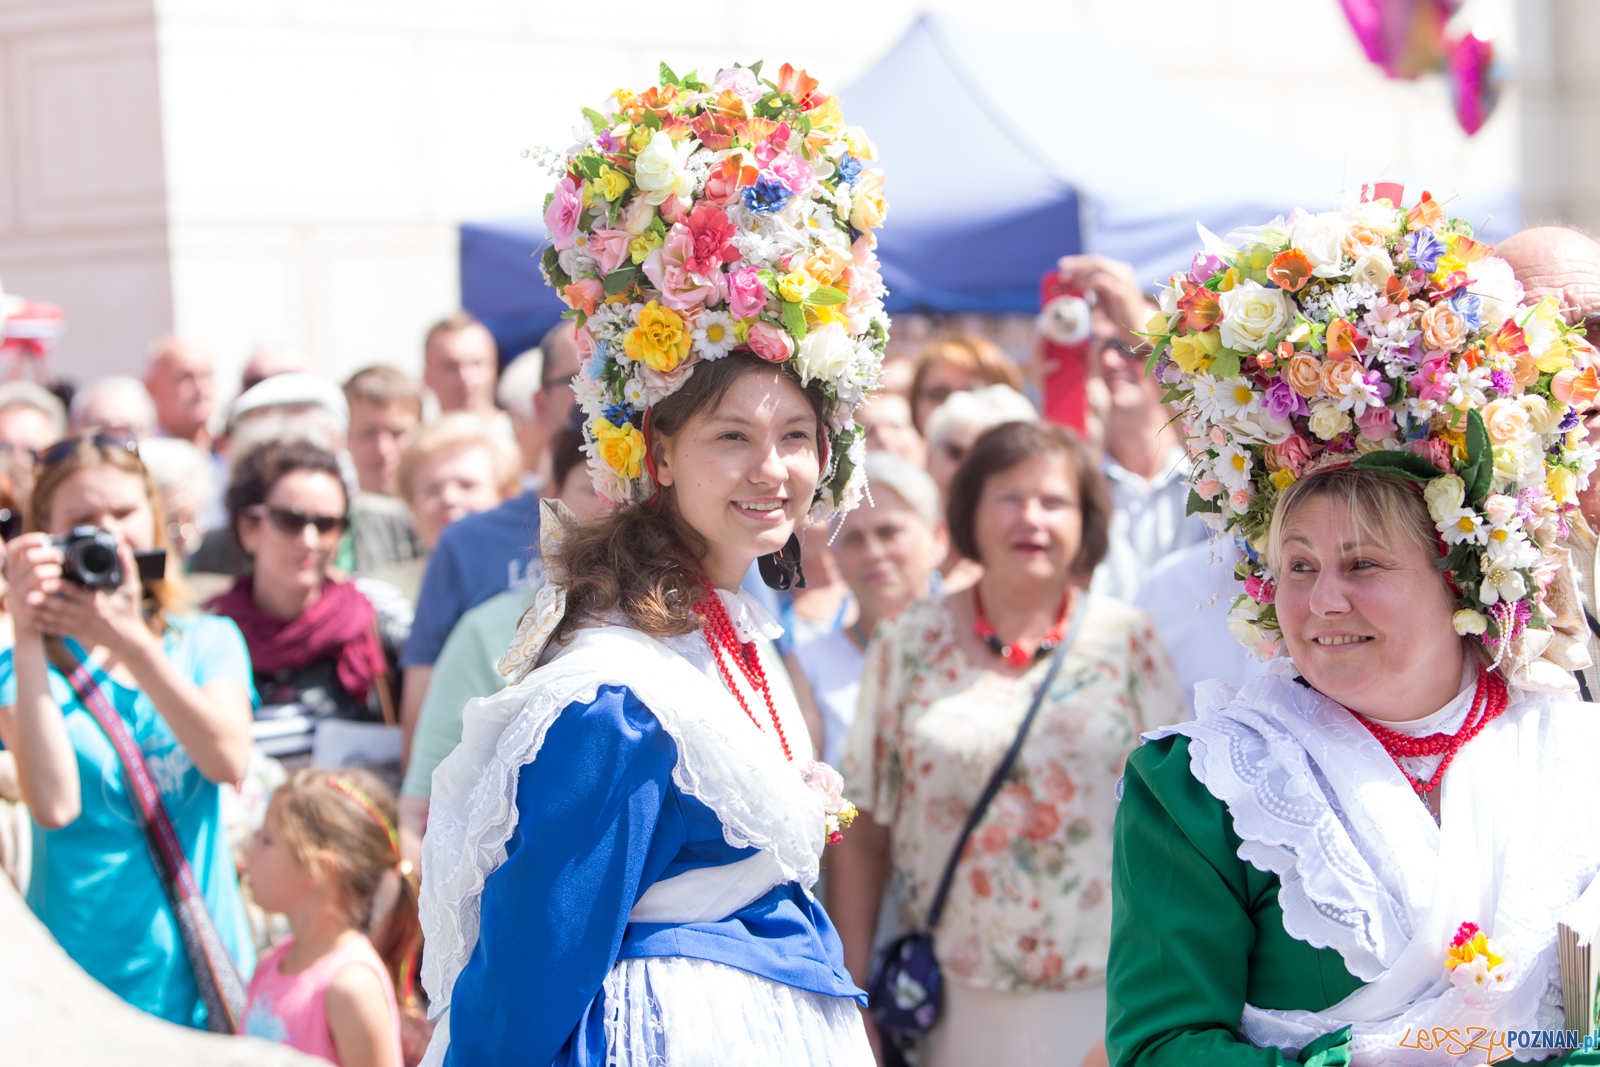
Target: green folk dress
(1197, 933)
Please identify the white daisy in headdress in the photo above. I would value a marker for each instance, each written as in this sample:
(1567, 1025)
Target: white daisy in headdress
(714, 338)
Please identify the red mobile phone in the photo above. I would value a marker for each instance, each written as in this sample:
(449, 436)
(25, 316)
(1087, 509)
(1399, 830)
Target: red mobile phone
(1064, 331)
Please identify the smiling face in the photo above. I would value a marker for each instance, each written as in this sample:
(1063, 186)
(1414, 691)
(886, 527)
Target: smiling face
(1366, 618)
(1029, 527)
(743, 471)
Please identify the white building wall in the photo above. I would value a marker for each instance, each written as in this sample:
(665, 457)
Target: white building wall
(292, 171)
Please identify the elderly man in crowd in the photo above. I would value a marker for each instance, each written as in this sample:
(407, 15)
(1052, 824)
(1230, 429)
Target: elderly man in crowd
(182, 384)
(1145, 461)
(487, 553)
(1554, 259)
(118, 402)
(460, 364)
(31, 417)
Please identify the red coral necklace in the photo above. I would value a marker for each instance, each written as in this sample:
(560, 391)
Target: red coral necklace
(1014, 653)
(1488, 702)
(722, 638)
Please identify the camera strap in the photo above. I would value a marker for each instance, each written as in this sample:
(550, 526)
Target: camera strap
(221, 987)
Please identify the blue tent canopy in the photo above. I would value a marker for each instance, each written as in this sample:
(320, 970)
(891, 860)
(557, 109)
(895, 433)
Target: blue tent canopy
(502, 286)
(975, 217)
(1004, 149)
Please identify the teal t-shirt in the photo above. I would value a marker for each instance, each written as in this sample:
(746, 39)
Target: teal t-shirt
(94, 882)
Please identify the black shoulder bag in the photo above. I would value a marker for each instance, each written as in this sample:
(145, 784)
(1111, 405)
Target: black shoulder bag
(905, 991)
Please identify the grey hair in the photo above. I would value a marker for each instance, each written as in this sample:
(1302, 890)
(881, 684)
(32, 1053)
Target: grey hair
(28, 394)
(910, 483)
(127, 392)
(977, 410)
(519, 380)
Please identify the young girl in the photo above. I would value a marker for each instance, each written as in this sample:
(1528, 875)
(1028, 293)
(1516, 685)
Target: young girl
(327, 841)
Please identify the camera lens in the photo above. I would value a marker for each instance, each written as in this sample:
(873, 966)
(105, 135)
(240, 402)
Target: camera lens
(95, 562)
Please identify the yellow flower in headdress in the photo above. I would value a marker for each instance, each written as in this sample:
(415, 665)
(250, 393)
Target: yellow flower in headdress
(622, 447)
(661, 340)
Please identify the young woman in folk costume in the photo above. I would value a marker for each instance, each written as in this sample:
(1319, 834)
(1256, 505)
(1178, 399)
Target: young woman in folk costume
(1362, 856)
(620, 853)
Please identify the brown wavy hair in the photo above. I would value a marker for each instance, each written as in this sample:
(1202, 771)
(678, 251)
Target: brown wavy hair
(642, 560)
(323, 823)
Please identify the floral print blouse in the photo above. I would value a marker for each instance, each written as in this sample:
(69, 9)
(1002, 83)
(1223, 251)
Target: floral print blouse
(1030, 907)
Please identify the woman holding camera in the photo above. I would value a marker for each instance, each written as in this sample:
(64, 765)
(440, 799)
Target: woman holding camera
(108, 691)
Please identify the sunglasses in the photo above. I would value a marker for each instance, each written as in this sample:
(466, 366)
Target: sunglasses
(115, 440)
(291, 523)
(10, 523)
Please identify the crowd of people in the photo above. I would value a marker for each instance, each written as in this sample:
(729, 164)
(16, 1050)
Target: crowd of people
(339, 570)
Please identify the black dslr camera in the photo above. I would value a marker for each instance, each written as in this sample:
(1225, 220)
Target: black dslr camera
(92, 560)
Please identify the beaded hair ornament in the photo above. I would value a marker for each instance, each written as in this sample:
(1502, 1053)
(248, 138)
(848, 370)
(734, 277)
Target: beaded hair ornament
(1389, 339)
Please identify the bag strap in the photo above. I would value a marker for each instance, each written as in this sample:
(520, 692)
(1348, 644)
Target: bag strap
(221, 987)
(997, 779)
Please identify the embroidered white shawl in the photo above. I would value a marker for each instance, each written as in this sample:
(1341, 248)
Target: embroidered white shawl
(1366, 871)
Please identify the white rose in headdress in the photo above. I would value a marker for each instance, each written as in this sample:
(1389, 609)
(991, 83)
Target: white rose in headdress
(661, 170)
(1259, 427)
(1251, 314)
(1320, 238)
(1372, 270)
(826, 352)
(1497, 289)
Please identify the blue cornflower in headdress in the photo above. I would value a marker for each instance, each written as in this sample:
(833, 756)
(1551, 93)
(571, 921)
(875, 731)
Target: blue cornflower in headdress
(769, 193)
(1425, 248)
(849, 169)
(618, 414)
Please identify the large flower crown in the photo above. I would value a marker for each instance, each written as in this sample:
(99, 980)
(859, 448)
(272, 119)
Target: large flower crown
(694, 219)
(1390, 340)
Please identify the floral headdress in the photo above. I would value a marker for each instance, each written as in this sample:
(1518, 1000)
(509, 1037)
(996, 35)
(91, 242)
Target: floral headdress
(1385, 339)
(694, 219)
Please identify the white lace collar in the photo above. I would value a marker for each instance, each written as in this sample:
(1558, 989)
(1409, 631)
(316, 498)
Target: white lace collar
(1365, 871)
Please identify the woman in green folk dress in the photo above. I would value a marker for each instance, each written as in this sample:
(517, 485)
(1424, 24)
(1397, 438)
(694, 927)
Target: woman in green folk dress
(1362, 856)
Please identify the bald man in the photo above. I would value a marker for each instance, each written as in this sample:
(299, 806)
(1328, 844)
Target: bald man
(1554, 259)
(180, 381)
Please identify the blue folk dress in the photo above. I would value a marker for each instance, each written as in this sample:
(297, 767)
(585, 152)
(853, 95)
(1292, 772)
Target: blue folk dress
(618, 869)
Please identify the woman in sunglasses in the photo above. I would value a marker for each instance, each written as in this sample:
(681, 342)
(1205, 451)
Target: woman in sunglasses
(313, 635)
(99, 674)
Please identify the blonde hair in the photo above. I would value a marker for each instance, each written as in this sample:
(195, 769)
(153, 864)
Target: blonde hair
(350, 815)
(452, 433)
(1384, 509)
(170, 594)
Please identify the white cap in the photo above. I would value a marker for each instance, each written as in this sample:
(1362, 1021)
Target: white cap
(293, 390)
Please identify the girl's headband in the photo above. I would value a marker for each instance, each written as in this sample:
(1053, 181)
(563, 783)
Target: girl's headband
(365, 801)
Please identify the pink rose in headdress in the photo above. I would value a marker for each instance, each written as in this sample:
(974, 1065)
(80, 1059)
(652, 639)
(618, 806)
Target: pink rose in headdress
(673, 210)
(1294, 453)
(712, 235)
(561, 217)
(1436, 451)
(746, 295)
(609, 248)
(668, 270)
(770, 343)
(741, 81)
(637, 216)
(585, 342)
(794, 172)
(1376, 422)
(776, 142)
